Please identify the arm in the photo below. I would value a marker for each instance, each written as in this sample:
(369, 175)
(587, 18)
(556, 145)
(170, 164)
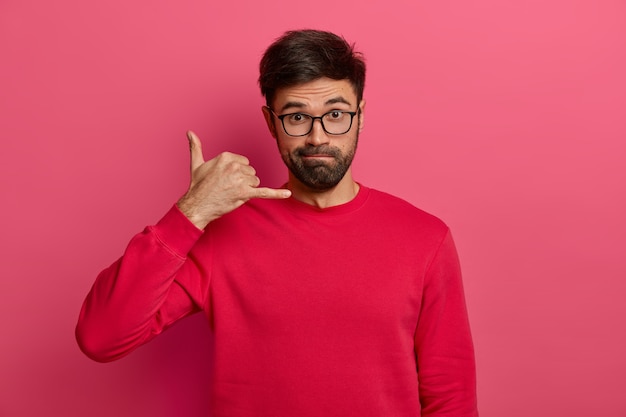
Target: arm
(137, 297)
(141, 294)
(443, 342)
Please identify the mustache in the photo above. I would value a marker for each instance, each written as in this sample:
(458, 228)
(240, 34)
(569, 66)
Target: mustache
(318, 150)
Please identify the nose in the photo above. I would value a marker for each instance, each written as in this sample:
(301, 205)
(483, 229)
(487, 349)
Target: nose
(317, 136)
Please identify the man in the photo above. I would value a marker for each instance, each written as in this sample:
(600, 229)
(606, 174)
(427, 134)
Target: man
(325, 298)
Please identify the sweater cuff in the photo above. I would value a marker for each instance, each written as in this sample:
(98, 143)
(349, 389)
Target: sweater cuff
(177, 232)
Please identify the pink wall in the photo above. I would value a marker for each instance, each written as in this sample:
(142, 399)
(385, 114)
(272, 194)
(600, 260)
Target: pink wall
(505, 118)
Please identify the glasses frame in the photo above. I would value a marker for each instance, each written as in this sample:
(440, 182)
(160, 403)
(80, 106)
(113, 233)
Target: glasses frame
(313, 118)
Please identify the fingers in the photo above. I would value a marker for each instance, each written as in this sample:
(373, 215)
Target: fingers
(248, 170)
(240, 159)
(195, 147)
(271, 193)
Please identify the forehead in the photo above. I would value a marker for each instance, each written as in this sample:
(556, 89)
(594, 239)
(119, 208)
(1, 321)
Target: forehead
(320, 93)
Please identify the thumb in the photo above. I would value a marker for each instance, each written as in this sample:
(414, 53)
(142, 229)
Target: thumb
(195, 148)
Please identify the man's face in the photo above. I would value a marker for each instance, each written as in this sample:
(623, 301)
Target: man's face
(318, 160)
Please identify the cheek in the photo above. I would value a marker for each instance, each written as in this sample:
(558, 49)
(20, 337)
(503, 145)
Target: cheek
(284, 147)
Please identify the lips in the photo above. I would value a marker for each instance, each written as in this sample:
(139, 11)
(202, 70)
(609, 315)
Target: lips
(320, 152)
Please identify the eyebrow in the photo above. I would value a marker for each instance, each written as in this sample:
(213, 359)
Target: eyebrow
(300, 105)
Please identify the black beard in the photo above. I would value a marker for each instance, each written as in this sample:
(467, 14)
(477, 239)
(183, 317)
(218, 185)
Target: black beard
(319, 175)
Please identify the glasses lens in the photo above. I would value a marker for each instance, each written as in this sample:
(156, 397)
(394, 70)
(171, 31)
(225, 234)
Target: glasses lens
(337, 122)
(297, 124)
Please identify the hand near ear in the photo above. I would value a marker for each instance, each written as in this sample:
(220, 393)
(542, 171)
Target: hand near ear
(220, 185)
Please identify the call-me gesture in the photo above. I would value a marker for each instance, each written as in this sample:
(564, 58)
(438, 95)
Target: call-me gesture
(220, 185)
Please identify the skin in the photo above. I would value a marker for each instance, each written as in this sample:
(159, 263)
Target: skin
(224, 183)
(316, 98)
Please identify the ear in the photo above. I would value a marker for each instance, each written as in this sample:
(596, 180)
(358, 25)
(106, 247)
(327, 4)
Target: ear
(361, 114)
(269, 120)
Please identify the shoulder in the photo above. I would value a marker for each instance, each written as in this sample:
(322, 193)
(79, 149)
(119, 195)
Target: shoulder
(400, 210)
(409, 230)
(254, 213)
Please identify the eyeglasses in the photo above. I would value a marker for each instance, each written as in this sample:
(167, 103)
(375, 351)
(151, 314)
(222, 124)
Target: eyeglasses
(335, 122)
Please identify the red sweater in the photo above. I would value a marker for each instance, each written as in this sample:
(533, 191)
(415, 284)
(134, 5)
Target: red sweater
(353, 310)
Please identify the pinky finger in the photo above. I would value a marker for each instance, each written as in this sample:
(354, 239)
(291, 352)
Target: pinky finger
(271, 193)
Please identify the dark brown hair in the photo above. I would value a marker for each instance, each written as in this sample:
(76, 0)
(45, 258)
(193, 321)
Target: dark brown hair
(305, 55)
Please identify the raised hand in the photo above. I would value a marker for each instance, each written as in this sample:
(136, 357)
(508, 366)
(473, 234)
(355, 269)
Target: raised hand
(220, 185)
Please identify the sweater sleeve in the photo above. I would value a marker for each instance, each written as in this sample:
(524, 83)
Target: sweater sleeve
(443, 342)
(140, 295)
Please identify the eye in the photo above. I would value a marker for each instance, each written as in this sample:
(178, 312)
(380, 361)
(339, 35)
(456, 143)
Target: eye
(335, 116)
(297, 118)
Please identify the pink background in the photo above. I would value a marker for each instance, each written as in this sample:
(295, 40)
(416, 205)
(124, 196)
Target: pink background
(505, 118)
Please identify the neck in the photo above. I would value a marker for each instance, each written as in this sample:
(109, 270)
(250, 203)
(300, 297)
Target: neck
(341, 193)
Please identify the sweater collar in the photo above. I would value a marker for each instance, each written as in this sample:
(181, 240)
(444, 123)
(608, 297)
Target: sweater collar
(352, 205)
